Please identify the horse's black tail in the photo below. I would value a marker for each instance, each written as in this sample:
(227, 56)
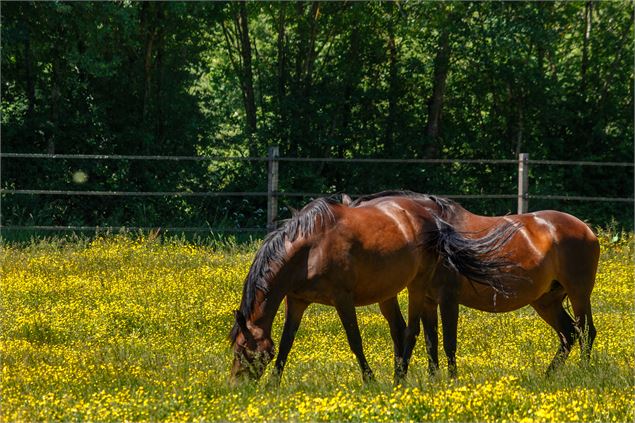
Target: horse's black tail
(478, 259)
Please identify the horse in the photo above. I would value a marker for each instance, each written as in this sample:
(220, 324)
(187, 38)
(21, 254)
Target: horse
(349, 254)
(551, 256)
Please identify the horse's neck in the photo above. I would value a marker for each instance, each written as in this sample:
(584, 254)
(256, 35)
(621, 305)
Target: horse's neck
(266, 305)
(284, 280)
(264, 311)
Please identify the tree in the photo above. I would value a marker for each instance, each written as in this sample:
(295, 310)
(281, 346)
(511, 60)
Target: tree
(443, 80)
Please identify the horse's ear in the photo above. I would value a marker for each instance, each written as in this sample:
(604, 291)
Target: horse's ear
(346, 199)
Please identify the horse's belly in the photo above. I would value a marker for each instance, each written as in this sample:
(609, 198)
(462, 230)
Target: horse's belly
(494, 303)
(381, 278)
(376, 292)
(364, 292)
(370, 280)
(485, 298)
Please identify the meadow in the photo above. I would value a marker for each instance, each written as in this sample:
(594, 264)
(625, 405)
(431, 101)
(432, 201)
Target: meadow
(124, 328)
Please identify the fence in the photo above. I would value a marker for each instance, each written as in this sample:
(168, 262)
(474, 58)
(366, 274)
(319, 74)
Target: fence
(273, 192)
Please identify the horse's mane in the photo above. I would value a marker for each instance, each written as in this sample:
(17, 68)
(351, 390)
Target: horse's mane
(272, 252)
(444, 204)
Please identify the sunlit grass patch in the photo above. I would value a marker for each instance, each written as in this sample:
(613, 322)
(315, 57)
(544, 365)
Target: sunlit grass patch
(126, 328)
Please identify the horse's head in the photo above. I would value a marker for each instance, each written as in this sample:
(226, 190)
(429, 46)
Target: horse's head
(252, 351)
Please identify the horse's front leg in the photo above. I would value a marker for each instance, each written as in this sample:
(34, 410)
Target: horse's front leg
(392, 313)
(293, 315)
(449, 320)
(346, 311)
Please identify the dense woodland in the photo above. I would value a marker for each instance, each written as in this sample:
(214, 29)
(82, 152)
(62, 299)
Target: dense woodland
(408, 80)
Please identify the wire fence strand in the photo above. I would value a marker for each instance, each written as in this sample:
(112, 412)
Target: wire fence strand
(306, 159)
(133, 193)
(116, 229)
(288, 194)
(129, 157)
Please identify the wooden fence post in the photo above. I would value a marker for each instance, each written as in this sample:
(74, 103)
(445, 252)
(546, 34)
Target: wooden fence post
(272, 188)
(523, 183)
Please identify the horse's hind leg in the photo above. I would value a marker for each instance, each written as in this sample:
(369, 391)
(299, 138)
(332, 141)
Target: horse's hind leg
(449, 321)
(584, 325)
(549, 307)
(578, 278)
(392, 313)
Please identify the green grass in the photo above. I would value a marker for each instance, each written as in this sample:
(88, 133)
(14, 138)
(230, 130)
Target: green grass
(124, 328)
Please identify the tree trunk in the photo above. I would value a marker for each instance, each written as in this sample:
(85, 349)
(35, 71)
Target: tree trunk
(588, 10)
(238, 41)
(389, 142)
(56, 97)
(612, 71)
(160, 47)
(515, 117)
(519, 129)
(248, 78)
(308, 61)
(138, 173)
(147, 76)
(258, 79)
(148, 26)
(435, 104)
(351, 80)
(310, 53)
(28, 74)
(302, 85)
(282, 112)
(296, 90)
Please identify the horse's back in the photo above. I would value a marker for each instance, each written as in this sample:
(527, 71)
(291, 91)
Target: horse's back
(371, 250)
(563, 226)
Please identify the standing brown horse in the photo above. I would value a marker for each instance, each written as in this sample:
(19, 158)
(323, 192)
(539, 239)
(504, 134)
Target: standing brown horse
(355, 254)
(551, 256)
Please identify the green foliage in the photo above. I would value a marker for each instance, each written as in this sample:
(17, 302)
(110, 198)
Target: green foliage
(326, 79)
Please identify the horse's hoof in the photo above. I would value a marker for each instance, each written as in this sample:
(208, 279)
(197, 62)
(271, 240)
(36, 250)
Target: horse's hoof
(369, 378)
(452, 371)
(399, 378)
(274, 379)
(273, 382)
(433, 371)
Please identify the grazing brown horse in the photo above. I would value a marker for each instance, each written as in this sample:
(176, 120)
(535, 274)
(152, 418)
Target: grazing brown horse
(353, 254)
(551, 256)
